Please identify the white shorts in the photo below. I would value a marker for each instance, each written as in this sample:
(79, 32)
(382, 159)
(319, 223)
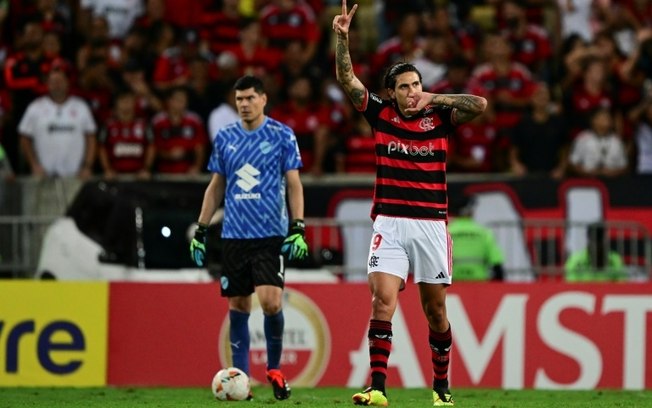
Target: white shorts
(400, 246)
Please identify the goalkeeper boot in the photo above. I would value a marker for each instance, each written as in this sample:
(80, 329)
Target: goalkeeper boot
(370, 397)
(279, 384)
(442, 398)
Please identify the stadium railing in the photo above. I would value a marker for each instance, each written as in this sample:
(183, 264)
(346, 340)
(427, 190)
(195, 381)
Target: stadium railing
(536, 249)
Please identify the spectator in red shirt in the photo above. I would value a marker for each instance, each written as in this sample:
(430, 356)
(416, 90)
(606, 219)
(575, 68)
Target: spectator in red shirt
(477, 146)
(506, 83)
(309, 119)
(125, 141)
(286, 21)
(458, 40)
(24, 70)
(252, 55)
(531, 44)
(52, 53)
(625, 84)
(220, 30)
(54, 21)
(172, 67)
(405, 45)
(592, 91)
(179, 136)
(24, 77)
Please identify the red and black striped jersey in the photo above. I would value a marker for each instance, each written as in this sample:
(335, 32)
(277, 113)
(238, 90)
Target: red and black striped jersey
(126, 143)
(410, 159)
(184, 136)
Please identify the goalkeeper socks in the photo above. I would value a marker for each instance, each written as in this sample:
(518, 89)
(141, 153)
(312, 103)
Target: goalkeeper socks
(380, 346)
(239, 337)
(274, 326)
(440, 346)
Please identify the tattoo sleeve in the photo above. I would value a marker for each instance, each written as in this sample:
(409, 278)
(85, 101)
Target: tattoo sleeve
(344, 72)
(466, 106)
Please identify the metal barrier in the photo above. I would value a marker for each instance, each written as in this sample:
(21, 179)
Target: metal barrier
(340, 245)
(534, 249)
(538, 249)
(20, 244)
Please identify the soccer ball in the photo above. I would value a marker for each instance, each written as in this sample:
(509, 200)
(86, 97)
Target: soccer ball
(230, 384)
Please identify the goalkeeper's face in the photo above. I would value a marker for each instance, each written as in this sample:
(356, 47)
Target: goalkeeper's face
(250, 105)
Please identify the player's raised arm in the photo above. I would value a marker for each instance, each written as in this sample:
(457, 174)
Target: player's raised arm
(343, 66)
(466, 106)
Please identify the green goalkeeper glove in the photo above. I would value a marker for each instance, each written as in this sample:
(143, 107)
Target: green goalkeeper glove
(295, 247)
(198, 245)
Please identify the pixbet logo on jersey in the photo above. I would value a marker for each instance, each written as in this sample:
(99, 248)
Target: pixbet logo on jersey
(411, 149)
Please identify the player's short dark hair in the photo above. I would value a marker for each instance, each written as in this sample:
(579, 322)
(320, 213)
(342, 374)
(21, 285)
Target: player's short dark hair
(396, 69)
(249, 81)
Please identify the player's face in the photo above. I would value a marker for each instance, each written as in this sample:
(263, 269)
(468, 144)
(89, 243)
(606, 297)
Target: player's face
(407, 84)
(250, 105)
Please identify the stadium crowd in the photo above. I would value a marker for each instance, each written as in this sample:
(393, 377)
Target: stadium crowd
(569, 82)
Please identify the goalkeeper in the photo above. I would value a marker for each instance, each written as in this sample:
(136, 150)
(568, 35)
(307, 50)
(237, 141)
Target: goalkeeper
(253, 161)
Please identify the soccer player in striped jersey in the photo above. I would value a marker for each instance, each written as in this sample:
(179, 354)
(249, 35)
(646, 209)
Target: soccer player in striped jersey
(253, 161)
(409, 206)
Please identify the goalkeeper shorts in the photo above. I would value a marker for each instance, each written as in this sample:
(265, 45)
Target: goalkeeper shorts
(247, 263)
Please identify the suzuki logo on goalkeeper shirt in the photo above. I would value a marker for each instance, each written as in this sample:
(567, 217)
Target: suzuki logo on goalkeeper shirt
(247, 180)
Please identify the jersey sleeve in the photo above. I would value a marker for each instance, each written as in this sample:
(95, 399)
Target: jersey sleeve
(215, 162)
(371, 108)
(445, 114)
(27, 125)
(291, 152)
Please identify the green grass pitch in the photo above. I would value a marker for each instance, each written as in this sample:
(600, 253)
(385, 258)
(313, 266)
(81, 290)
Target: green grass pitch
(311, 397)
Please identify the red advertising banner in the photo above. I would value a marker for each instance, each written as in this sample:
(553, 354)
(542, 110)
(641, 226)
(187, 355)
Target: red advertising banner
(548, 335)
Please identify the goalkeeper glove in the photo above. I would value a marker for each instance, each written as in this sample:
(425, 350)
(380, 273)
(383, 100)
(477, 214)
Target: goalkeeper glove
(295, 247)
(198, 245)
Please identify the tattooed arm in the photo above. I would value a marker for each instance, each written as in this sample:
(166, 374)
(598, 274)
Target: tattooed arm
(465, 106)
(343, 65)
